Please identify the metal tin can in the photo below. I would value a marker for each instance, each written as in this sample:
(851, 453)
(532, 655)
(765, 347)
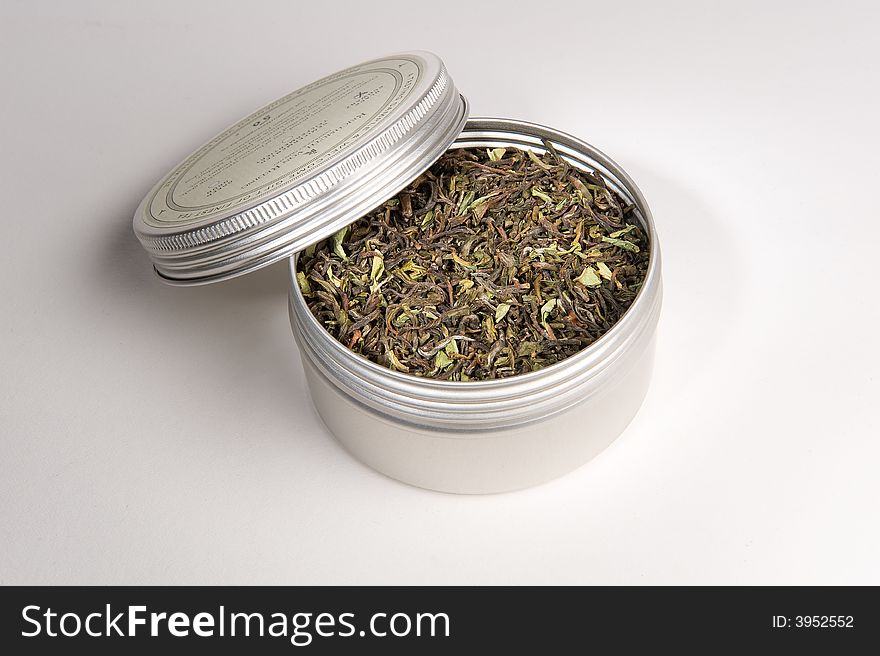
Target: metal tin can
(495, 435)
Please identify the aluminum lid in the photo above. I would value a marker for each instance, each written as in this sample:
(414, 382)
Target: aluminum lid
(300, 168)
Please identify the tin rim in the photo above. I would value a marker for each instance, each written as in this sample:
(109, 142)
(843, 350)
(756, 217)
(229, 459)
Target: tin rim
(490, 404)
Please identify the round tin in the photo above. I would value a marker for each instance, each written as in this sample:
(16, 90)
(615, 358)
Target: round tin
(300, 169)
(304, 166)
(496, 435)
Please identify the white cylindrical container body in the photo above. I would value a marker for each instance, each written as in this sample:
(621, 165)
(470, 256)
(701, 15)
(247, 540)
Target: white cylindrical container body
(496, 435)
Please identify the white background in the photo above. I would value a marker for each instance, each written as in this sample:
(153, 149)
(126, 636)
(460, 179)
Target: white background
(160, 435)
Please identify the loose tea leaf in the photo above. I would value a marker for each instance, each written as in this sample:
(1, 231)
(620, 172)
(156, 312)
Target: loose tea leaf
(337, 243)
(622, 243)
(493, 263)
(589, 278)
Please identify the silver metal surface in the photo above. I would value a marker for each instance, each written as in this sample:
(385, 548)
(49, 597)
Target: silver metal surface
(496, 435)
(300, 168)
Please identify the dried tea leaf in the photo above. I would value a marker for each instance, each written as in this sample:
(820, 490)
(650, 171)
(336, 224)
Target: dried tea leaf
(337, 243)
(589, 277)
(425, 284)
(466, 200)
(412, 270)
(336, 281)
(527, 349)
(496, 153)
(547, 308)
(479, 209)
(442, 360)
(377, 268)
(459, 260)
(489, 330)
(622, 243)
(537, 193)
(395, 363)
(537, 160)
(304, 286)
(621, 233)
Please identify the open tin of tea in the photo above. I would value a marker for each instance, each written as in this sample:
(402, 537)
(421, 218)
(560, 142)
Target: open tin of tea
(299, 169)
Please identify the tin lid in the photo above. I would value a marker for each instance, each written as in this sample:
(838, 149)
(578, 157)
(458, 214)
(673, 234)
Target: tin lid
(300, 168)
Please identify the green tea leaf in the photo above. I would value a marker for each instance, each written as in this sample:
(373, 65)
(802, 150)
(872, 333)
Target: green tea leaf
(442, 361)
(455, 257)
(396, 364)
(304, 286)
(501, 311)
(580, 187)
(527, 349)
(589, 278)
(604, 271)
(547, 308)
(336, 281)
(622, 243)
(537, 160)
(537, 193)
(496, 153)
(412, 270)
(620, 233)
(377, 268)
(480, 206)
(466, 199)
(489, 327)
(337, 243)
